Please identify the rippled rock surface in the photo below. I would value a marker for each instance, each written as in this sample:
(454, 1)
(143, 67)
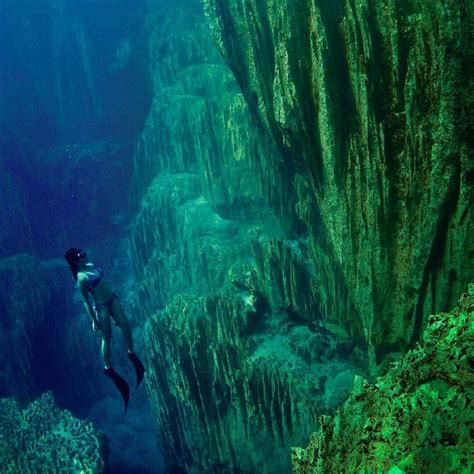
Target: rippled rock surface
(42, 438)
(417, 418)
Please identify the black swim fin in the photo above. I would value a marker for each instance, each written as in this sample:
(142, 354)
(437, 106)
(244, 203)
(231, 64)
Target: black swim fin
(121, 384)
(138, 366)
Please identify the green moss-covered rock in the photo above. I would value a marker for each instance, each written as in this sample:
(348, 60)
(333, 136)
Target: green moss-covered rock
(289, 200)
(417, 418)
(369, 107)
(225, 402)
(42, 438)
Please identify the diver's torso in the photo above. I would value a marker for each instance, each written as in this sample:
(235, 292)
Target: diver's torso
(100, 288)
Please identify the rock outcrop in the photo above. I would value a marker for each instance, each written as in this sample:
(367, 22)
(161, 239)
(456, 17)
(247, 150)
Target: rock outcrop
(368, 104)
(221, 407)
(298, 222)
(41, 438)
(416, 418)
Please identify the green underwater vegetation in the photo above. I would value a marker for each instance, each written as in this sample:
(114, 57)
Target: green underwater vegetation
(419, 417)
(281, 192)
(41, 438)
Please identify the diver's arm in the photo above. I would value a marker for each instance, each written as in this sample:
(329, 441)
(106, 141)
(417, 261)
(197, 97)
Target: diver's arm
(82, 285)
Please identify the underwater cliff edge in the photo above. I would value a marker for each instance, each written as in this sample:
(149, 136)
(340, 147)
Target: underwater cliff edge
(299, 219)
(416, 418)
(282, 194)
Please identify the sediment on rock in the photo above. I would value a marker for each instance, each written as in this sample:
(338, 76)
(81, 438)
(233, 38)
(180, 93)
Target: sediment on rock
(416, 418)
(42, 438)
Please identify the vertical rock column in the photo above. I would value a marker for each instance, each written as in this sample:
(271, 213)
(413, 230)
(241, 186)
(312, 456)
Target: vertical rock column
(217, 409)
(368, 104)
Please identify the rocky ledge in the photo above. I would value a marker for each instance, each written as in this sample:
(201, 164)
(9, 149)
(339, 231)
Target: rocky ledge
(43, 439)
(417, 418)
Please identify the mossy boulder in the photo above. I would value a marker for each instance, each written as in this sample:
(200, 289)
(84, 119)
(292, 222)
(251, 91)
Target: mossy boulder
(419, 417)
(42, 438)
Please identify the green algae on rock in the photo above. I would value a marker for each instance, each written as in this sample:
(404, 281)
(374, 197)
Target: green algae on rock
(294, 226)
(43, 439)
(417, 418)
(220, 406)
(368, 104)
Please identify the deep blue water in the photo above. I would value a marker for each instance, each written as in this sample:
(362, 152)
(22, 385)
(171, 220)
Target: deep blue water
(74, 93)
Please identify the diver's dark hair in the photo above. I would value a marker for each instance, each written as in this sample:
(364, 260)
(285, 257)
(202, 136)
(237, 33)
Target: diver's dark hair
(72, 257)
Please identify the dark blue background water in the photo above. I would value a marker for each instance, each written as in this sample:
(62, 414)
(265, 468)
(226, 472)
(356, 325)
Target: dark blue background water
(74, 94)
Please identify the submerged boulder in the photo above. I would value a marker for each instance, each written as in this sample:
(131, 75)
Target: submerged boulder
(419, 415)
(42, 438)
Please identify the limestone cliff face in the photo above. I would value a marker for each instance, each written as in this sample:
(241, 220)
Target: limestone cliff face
(237, 374)
(416, 418)
(297, 220)
(369, 104)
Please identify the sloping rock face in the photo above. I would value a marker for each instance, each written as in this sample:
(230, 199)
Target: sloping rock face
(250, 374)
(368, 102)
(42, 438)
(295, 226)
(417, 418)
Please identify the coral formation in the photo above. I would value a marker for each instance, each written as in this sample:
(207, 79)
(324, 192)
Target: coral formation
(42, 439)
(419, 417)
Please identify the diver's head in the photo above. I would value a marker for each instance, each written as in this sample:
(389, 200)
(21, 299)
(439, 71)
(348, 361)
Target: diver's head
(75, 256)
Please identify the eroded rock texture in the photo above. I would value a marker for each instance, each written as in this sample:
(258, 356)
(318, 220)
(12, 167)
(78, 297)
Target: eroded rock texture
(369, 104)
(42, 438)
(417, 418)
(219, 409)
(298, 221)
(206, 238)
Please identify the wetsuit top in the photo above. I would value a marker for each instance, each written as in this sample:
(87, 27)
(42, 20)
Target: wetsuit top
(94, 279)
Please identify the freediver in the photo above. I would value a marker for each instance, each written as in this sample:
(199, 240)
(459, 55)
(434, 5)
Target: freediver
(104, 306)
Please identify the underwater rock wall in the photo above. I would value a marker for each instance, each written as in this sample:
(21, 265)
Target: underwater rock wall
(220, 289)
(368, 104)
(198, 186)
(416, 418)
(42, 438)
(218, 409)
(292, 222)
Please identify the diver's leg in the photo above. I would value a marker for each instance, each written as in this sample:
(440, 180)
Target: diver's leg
(121, 319)
(117, 379)
(106, 332)
(119, 315)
